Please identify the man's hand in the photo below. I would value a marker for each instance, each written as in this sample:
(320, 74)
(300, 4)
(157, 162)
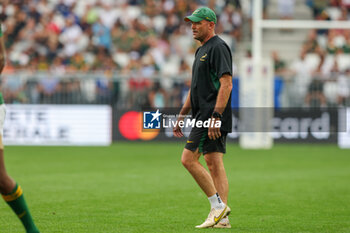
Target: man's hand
(214, 132)
(177, 129)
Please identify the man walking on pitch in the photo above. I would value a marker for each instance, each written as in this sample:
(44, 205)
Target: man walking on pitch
(209, 98)
(11, 192)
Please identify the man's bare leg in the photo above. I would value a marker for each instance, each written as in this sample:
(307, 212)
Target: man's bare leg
(216, 167)
(218, 209)
(200, 174)
(13, 195)
(7, 184)
(217, 170)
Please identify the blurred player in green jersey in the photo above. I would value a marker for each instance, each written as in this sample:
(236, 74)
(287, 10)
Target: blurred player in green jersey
(10, 190)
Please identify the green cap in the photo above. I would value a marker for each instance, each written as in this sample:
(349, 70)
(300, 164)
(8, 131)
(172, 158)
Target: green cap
(203, 13)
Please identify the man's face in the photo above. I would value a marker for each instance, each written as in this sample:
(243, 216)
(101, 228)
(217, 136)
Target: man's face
(201, 29)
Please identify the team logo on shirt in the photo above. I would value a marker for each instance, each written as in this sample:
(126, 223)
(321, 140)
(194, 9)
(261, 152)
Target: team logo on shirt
(203, 57)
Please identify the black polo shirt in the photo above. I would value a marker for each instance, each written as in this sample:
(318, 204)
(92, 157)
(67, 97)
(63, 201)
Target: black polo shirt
(212, 61)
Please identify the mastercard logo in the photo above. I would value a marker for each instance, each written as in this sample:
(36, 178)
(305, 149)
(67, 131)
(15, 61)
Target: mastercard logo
(130, 127)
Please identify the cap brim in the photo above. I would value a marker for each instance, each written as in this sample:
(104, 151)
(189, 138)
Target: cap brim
(192, 18)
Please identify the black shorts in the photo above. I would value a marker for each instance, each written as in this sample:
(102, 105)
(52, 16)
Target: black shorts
(199, 139)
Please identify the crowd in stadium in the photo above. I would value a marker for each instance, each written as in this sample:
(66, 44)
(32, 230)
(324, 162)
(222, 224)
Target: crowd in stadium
(140, 39)
(322, 71)
(107, 34)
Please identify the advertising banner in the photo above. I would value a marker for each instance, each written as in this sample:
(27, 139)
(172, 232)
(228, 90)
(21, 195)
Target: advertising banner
(287, 125)
(58, 125)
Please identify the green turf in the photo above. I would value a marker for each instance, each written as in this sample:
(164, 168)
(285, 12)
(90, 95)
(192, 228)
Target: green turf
(133, 187)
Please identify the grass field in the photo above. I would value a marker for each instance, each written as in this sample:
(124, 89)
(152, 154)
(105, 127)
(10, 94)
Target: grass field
(142, 187)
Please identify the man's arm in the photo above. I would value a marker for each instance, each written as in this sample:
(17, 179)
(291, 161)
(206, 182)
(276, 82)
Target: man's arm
(224, 93)
(2, 53)
(184, 110)
(221, 102)
(187, 105)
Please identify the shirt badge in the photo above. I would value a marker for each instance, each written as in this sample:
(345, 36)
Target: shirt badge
(203, 57)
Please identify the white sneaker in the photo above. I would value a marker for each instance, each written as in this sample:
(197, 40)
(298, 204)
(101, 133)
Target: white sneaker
(223, 223)
(215, 215)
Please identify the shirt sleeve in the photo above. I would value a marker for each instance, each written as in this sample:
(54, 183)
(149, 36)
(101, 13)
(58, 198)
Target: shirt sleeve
(221, 60)
(0, 31)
